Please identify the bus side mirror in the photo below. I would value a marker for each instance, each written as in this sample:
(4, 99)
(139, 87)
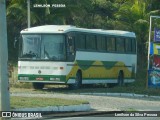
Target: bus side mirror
(15, 42)
(70, 41)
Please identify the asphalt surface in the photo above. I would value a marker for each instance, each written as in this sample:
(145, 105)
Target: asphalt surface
(105, 115)
(105, 118)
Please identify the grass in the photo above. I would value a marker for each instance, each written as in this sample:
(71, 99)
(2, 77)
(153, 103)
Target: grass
(31, 102)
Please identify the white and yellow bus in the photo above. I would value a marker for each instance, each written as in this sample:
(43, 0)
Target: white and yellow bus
(64, 54)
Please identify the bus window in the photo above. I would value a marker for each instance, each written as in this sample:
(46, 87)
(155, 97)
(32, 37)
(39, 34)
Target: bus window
(133, 46)
(111, 44)
(91, 42)
(101, 45)
(53, 47)
(128, 44)
(120, 44)
(80, 41)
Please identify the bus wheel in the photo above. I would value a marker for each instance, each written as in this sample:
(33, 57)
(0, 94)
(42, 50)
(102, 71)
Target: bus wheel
(38, 85)
(78, 81)
(120, 79)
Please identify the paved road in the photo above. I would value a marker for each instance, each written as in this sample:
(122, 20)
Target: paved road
(105, 115)
(106, 103)
(105, 118)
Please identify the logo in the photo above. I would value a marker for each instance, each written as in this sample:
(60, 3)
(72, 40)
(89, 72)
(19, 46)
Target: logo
(39, 71)
(6, 114)
(16, 114)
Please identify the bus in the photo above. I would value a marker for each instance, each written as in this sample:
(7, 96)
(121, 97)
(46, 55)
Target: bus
(65, 54)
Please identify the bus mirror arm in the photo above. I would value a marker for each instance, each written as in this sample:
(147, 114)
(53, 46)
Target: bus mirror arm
(15, 42)
(71, 49)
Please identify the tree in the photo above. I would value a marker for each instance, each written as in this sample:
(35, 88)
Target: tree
(100, 14)
(133, 15)
(130, 15)
(17, 16)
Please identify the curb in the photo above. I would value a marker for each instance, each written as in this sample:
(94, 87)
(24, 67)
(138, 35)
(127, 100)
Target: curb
(69, 108)
(122, 94)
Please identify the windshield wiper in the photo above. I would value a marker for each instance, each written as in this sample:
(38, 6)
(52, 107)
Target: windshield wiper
(30, 55)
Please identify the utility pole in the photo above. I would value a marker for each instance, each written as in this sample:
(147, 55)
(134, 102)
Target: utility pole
(29, 15)
(4, 81)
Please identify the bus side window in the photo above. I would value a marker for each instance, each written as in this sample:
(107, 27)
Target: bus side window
(101, 43)
(128, 46)
(120, 44)
(111, 44)
(80, 41)
(133, 45)
(90, 42)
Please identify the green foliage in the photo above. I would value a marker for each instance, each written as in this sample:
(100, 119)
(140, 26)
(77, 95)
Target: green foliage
(130, 15)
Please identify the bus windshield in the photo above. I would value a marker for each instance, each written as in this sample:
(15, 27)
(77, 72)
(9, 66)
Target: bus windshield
(43, 47)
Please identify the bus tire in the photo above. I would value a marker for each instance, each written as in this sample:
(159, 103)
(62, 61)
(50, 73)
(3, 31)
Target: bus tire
(78, 81)
(120, 78)
(38, 85)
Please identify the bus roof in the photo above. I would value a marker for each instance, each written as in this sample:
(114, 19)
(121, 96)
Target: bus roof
(69, 28)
